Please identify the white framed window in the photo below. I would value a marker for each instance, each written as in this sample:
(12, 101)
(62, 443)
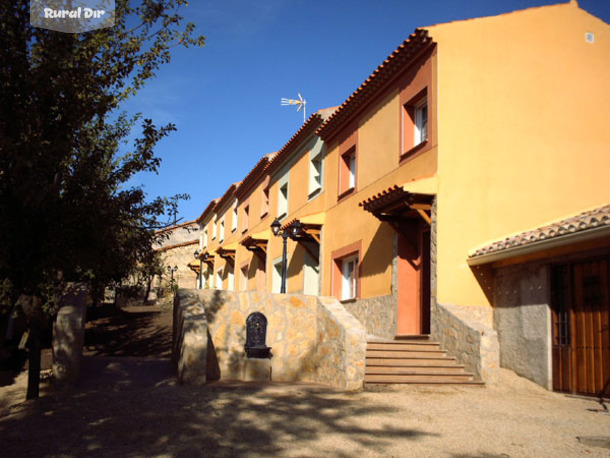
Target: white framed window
(282, 200)
(420, 121)
(205, 237)
(352, 171)
(214, 229)
(246, 218)
(234, 218)
(265, 202)
(243, 279)
(230, 279)
(348, 171)
(315, 170)
(276, 281)
(349, 276)
(221, 229)
(218, 284)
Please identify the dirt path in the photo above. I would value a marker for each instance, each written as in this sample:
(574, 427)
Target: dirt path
(132, 406)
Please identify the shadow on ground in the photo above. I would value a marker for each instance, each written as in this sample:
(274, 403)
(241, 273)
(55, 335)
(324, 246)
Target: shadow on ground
(129, 332)
(129, 403)
(215, 420)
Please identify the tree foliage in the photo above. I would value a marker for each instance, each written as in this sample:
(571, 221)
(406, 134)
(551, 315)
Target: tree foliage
(67, 212)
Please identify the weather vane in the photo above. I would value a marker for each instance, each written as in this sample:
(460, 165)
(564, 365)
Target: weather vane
(301, 102)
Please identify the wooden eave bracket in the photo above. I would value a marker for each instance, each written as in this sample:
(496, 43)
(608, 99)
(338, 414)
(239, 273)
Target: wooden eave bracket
(314, 232)
(227, 254)
(257, 245)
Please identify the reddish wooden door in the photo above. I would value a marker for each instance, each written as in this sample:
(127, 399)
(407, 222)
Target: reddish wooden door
(413, 315)
(581, 327)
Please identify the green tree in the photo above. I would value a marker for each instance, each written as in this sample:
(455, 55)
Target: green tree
(67, 212)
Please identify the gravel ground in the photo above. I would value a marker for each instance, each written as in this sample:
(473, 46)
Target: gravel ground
(129, 404)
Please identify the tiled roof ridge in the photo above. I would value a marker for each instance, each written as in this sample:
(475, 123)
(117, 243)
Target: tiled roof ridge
(227, 195)
(590, 219)
(253, 175)
(308, 127)
(390, 67)
(208, 209)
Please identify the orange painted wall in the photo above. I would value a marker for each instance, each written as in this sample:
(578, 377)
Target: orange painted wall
(379, 167)
(523, 111)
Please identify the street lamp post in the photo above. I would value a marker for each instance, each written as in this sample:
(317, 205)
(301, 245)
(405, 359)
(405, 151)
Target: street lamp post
(200, 279)
(171, 271)
(291, 231)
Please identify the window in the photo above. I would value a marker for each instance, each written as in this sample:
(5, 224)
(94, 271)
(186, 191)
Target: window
(421, 122)
(234, 218)
(282, 202)
(347, 180)
(243, 279)
(349, 268)
(214, 229)
(415, 122)
(265, 202)
(230, 278)
(205, 237)
(221, 235)
(276, 285)
(219, 279)
(345, 268)
(315, 171)
(246, 218)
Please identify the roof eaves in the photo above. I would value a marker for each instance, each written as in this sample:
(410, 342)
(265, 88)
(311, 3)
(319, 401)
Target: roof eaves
(596, 220)
(209, 209)
(308, 128)
(406, 53)
(229, 193)
(254, 175)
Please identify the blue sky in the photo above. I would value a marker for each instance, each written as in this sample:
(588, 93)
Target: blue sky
(225, 97)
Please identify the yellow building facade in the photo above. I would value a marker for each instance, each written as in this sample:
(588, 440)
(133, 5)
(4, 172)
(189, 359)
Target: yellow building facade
(468, 133)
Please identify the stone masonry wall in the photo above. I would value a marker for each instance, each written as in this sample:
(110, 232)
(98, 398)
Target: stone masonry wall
(377, 314)
(180, 256)
(522, 317)
(466, 333)
(312, 338)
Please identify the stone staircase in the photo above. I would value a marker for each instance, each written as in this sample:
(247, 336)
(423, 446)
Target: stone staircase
(413, 360)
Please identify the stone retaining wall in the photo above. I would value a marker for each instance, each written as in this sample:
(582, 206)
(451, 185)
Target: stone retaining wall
(312, 338)
(466, 333)
(377, 314)
(522, 317)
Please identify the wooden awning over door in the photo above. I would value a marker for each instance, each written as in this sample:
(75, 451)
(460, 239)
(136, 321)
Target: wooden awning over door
(395, 205)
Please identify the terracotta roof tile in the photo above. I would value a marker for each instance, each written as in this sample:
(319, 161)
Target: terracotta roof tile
(210, 208)
(582, 222)
(310, 126)
(257, 172)
(392, 66)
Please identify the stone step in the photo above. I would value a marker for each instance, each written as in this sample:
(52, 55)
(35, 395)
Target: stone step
(410, 370)
(403, 346)
(422, 361)
(420, 337)
(413, 360)
(423, 378)
(404, 353)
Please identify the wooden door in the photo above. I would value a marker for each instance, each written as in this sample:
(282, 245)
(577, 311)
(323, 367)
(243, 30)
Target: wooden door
(581, 327)
(413, 315)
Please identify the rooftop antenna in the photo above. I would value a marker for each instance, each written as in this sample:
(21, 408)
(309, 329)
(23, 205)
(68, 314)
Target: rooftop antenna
(301, 102)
